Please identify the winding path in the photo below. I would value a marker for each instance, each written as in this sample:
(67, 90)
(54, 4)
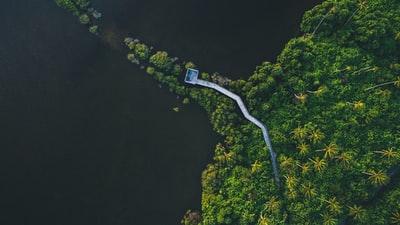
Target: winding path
(192, 78)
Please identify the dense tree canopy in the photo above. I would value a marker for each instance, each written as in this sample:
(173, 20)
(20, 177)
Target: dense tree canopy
(331, 103)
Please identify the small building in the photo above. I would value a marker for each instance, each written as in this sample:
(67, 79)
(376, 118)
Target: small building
(191, 76)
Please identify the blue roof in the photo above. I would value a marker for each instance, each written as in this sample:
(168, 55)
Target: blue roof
(191, 75)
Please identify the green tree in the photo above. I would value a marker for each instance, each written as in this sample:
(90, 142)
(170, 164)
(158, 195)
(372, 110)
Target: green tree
(299, 133)
(328, 219)
(333, 205)
(316, 135)
(305, 168)
(395, 218)
(344, 159)
(255, 166)
(358, 213)
(331, 11)
(263, 220)
(388, 153)
(319, 91)
(192, 218)
(273, 205)
(186, 101)
(150, 70)
(286, 163)
(377, 178)
(301, 97)
(290, 181)
(142, 51)
(395, 83)
(303, 148)
(397, 36)
(161, 61)
(330, 150)
(319, 164)
(360, 6)
(68, 5)
(94, 29)
(76, 7)
(84, 19)
(190, 65)
(229, 156)
(308, 190)
(83, 4)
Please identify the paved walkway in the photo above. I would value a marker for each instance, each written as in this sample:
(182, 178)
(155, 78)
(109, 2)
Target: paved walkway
(192, 79)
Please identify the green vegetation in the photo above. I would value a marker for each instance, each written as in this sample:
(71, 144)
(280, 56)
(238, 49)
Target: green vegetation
(84, 19)
(81, 9)
(161, 61)
(94, 29)
(331, 103)
(76, 7)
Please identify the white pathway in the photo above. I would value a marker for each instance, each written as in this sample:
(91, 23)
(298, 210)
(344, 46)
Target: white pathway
(246, 114)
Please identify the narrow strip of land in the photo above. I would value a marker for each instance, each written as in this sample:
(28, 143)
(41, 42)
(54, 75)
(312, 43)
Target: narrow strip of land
(191, 77)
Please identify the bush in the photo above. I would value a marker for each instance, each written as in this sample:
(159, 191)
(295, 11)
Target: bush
(94, 29)
(150, 70)
(84, 19)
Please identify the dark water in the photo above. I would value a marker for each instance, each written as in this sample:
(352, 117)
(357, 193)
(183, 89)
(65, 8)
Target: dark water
(87, 138)
(230, 37)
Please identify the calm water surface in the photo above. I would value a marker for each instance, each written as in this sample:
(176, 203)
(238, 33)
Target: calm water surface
(86, 137)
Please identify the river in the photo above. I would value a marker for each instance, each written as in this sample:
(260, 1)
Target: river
(88, 138)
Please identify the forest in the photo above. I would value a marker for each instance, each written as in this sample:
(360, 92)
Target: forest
(331, 103)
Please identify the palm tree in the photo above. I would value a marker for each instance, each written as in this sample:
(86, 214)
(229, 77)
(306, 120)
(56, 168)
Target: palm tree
(347, 68)
(290, 181)
(304, 168)
(395, 219)
(308, 190)
(299, 133)
(316, 136)
(397, 36)
(319, 91)
(272, 205)
(358, 104)
(286, 162)
(328, 219)
(388, 153)
(255, 167)
(333, 205)
(384, 93)
(361, 5)
(263, 220)
(303, 148)
(358, 213)
(292, 193)
(332, 10)
(229, 156)
(344, 159)
(302, 97)
(395, 83)
(330, 150)
(377, 178)
(319, 164)
(366, 69)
